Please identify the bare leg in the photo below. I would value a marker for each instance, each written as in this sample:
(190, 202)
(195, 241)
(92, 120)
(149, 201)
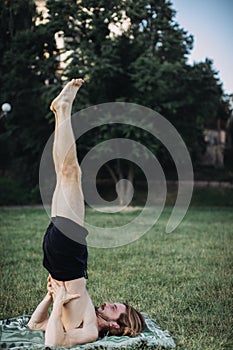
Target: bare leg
(68, 197)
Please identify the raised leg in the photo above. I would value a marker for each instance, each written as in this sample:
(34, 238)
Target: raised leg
(68, 196)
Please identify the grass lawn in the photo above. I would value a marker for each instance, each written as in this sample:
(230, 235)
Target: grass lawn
(182, 279)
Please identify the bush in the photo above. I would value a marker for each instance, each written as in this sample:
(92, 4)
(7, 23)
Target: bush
(12, 192)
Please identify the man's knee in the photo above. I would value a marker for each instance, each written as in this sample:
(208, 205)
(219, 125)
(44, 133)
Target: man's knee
(71, 172)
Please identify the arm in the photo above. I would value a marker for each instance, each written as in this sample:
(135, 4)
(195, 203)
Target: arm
(39, 317)
(55, 335)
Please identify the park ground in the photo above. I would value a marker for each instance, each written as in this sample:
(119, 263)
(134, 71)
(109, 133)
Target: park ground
(182, 279)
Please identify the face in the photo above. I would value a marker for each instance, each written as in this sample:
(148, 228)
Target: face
(110, 312)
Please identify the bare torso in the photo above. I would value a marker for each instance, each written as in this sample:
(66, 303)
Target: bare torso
(81, 311)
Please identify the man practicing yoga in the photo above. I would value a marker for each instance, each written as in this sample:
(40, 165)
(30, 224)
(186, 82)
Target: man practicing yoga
(74, 319)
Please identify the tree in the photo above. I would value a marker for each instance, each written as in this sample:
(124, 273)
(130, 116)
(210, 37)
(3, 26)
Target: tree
(146, 62)
(27, 66)
(228, 151)
(154, 28)
(125, 50)
(190, 97)
(13, 18)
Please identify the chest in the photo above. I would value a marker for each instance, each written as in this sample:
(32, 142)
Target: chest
(73, 313)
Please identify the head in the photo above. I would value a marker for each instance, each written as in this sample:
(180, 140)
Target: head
(119, 319)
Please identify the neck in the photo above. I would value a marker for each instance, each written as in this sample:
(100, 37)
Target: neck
(103, 326)
(102, 322)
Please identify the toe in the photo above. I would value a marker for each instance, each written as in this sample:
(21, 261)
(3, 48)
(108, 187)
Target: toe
(79, 81)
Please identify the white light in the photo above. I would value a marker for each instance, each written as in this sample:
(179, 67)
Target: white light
(6, 107)
(59, 38)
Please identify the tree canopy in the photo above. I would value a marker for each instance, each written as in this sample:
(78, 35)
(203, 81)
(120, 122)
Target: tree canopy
(125, 50)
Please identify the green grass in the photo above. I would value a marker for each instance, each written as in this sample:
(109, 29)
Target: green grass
(182, 279)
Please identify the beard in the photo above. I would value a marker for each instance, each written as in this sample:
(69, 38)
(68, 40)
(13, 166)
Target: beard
(99, 311)
(104, 329)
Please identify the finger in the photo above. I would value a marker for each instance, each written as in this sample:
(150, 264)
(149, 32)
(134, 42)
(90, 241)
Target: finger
(75, 296)
(56, 282)
(49, 278)
(53, 281)
(71, 297)
(54, 285)
(49, 287)
(50, 292)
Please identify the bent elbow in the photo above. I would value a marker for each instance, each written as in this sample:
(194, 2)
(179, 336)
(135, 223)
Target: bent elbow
(31, 326)
(54, 342)
(93, 336)
(34, 326)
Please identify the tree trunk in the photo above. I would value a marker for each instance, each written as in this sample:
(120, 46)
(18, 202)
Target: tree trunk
(124, 186)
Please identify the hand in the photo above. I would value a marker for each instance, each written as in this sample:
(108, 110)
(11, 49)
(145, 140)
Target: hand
(49, 286)
(60, 293)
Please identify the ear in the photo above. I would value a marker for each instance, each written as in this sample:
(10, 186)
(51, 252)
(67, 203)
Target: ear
(113, 324)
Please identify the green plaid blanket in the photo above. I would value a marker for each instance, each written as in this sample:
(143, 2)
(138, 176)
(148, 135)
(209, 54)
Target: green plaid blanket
(14, 334)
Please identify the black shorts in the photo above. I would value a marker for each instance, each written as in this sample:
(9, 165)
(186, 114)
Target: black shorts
(65, 254)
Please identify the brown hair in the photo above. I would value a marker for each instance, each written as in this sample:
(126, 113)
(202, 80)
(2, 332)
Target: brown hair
(131, 323)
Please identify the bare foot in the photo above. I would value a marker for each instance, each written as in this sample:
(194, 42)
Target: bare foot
(67, 95)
